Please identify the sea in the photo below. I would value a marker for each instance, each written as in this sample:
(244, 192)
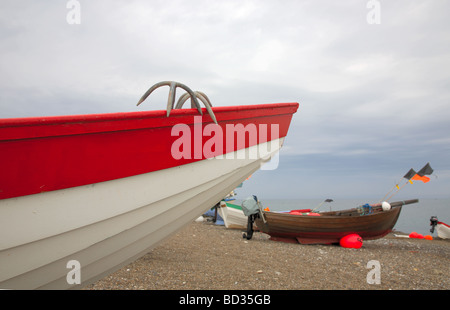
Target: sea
(413, 217)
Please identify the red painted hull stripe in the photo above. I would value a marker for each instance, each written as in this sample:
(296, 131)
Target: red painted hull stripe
(442, 223)
(42, 154)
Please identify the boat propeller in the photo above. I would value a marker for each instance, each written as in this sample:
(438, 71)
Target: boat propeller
(189, 94)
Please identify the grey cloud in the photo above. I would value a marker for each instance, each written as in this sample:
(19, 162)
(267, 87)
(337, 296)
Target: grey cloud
(368, 93)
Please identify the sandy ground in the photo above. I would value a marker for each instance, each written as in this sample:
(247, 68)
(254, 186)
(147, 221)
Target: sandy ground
(204, 256)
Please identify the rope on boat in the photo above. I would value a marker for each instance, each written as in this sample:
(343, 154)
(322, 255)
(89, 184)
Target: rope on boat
(365, 209)
(190, 94)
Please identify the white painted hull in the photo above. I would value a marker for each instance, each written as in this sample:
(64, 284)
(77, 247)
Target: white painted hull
(443, 231)
(107, 225)
(233, 218)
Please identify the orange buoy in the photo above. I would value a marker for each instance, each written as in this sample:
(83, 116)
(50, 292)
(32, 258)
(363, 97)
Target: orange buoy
(428, 237)
(351, 241)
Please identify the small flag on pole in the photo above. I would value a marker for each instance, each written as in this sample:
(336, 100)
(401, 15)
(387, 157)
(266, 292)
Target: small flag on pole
(417, 177)
(426, 170)
(420, 176)
(410, 174)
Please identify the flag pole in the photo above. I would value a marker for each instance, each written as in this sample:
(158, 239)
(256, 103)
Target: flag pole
(407, 176)
(395, 186)
(326, 200)
(409, 181)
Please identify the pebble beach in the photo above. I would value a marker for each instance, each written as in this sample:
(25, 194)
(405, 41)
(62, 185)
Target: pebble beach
(204, 256)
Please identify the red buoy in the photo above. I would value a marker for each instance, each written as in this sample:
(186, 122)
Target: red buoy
(416, 235)
(313, 214)
(295, 213)
(413, 234)
(351, 241)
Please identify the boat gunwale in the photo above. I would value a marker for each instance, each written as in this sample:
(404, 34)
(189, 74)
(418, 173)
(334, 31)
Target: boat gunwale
(67, 125)
(98, 117)
(378, 212)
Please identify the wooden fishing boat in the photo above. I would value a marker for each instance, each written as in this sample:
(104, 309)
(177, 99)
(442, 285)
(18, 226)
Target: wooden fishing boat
(330, 227)
(82, 196)
(442, 229)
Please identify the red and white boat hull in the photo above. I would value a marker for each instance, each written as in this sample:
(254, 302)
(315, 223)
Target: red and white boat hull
(102, 190)
(443, 230)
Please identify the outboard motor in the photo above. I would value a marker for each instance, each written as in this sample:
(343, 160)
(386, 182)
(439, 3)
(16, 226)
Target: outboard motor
(433, 223)
(251, 209)
(251, 219)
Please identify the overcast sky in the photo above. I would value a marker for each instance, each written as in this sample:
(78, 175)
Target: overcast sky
(374, 98)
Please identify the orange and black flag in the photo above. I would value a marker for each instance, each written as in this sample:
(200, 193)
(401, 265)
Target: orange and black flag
(421, 175)
(410, 174)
